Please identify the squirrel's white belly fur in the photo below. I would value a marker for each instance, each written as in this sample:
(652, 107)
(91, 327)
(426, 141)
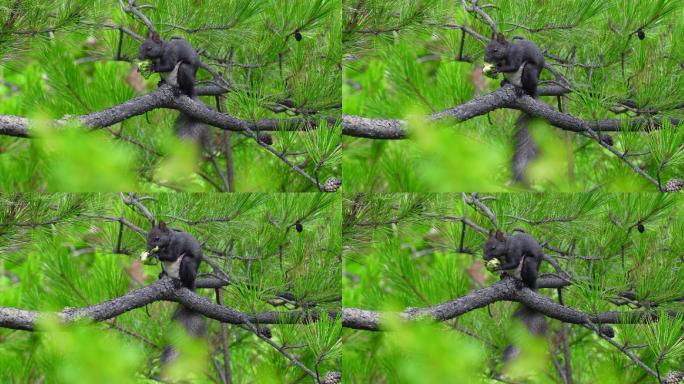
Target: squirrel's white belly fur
(172, 268)
(514, 78)
(171, 78)
(515, 272)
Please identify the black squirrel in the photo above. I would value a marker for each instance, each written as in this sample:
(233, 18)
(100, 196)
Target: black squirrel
(180, 254)
(177, 62)
(520, 256)
(521, 63)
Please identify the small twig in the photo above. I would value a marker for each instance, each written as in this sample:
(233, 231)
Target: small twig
(280, 349)
(119, 220)
(622, 349)
(131, 8)
(117, 249)
(227, 373)
(474, 201)
(133, 200)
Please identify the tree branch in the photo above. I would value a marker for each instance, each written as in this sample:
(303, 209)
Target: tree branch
(395, 129)
(163, 97)
(503, 290)
(163, 289)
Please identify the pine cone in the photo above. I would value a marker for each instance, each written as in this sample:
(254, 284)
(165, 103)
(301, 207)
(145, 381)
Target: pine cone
(332, 184)
(264, 331)
(674, 185)
(332, 377)
(674, 377)
(265, 138)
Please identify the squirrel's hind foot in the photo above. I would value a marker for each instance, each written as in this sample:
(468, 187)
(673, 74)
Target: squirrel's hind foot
(519, 91)
(177, 283)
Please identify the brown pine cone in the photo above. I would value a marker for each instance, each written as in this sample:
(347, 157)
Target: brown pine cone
(674, 185)
(332, 184)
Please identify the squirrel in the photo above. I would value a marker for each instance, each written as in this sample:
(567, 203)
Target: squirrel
(521, 63)
(520, 256)
(177, 62)
(180, 255)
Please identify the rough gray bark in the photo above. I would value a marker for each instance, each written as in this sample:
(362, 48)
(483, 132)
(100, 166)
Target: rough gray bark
(503, 97)
(504, 290)
(354, 318)
(164, 97)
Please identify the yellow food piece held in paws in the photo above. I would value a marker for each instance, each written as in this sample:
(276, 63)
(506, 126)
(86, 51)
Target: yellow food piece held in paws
(489, 70)
(492, 264)
(145, 68)
(146, 259)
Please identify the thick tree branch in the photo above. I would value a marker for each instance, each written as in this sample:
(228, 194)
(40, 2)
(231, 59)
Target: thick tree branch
(505, 97)
(163, 97)
(26, 320)
(504, 290)
(354, 318)
(163, 289)
(395, 129)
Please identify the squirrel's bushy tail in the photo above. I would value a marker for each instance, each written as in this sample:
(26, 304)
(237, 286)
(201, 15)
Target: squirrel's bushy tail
(525, 150)
(534, 321)
(193, 323)
(190, 129)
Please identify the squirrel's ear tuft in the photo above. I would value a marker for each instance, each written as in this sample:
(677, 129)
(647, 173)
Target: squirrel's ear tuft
(162, 226)
(491, 233)
(155, 37)
(499, 235)
(501, 38)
